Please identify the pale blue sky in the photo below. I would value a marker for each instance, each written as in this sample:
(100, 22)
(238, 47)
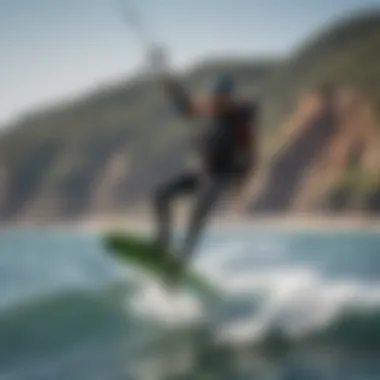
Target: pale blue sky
(51, 49)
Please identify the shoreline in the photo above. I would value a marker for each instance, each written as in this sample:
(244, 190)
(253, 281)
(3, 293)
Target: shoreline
(141, 222)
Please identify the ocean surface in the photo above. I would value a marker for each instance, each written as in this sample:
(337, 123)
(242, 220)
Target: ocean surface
(302, 305)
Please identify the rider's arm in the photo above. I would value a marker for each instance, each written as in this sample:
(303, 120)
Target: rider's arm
(182, 101)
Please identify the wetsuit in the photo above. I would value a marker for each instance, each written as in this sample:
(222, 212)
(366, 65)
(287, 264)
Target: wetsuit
(225, 152)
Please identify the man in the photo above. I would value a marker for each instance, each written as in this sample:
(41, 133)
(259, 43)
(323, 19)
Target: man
(227, 151)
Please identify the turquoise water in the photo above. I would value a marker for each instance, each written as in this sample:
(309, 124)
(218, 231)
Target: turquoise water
(297, 305)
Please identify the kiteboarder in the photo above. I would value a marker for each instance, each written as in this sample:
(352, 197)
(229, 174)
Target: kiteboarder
(227, 151)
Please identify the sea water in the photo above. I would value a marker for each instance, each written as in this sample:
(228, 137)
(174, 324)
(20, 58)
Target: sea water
(296, 305)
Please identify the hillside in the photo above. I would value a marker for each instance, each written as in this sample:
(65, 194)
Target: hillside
(327, 160)
(345, 52)
(104, 153)
(324, 155)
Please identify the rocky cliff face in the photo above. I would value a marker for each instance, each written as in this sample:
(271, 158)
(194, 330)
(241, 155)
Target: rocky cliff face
(327, 158)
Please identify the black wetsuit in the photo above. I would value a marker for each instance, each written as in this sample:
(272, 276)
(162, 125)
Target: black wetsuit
(221, 143)
(220, 151)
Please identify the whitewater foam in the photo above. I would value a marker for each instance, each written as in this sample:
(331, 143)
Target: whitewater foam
(298, 299)
(154, 301)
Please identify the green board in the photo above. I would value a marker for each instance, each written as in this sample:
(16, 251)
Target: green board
(134, 250)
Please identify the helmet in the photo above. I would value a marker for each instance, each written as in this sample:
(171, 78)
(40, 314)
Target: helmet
(224, 85)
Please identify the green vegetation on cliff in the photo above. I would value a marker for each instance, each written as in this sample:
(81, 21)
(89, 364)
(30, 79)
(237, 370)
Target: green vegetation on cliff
(347, 52)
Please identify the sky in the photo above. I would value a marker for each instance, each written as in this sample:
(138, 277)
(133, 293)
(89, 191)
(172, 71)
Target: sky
(51, 50)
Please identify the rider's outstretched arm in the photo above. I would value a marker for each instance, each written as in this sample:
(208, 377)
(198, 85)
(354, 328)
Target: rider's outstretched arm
(182, 101)
(179, 96)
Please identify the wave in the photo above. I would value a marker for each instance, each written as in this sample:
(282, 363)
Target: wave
(64, 324)
(260, 307)
(354, 330)
(349, 316)
(49, 325)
